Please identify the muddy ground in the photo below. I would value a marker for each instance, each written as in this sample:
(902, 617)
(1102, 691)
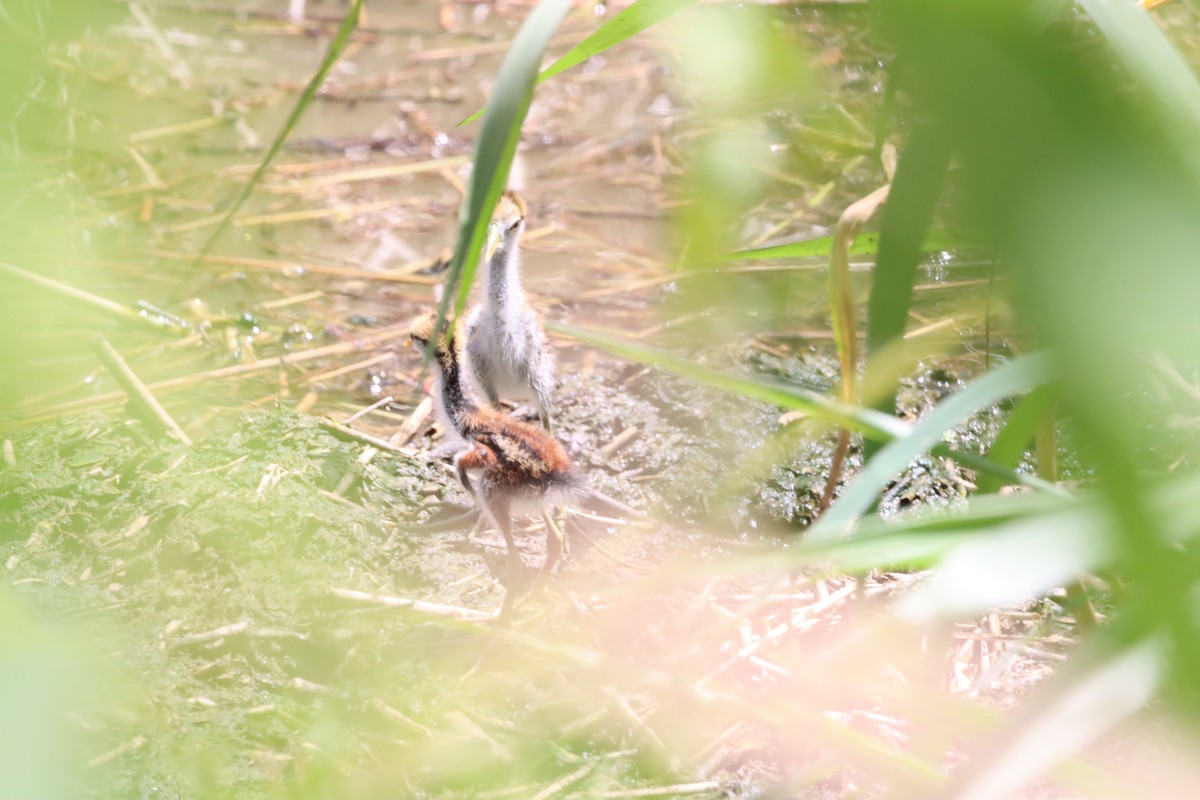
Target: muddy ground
(268, 638)
(269, 613)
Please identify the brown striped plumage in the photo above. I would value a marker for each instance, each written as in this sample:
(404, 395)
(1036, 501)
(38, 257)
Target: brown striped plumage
(508, 465)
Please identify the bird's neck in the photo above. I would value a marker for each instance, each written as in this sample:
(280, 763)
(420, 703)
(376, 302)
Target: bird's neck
(455, 401)
(504, 278)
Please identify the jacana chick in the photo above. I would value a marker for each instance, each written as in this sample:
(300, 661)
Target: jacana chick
(506, 348)
(508, 466)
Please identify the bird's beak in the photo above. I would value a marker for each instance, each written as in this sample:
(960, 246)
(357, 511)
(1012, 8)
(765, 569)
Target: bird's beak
(493, 241)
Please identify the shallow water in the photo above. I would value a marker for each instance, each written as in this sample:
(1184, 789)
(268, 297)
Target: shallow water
(600, 166)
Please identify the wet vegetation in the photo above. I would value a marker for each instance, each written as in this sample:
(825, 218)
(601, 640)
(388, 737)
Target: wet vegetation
(878, 316)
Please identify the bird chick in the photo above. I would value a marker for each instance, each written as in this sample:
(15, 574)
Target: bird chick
(508, 466)
(506, 346)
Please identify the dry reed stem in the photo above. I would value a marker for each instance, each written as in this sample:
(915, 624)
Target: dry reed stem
(351, 475)
(488, 48)
(288, 359)
(149, 186)
(564, 782)
(927, 287)
(376, 173)
(948, 322)
(232, 629)
(400, 717)
(284, 267)
(620, 441)
(707, 757)
(634, 566)
(179, 69)
(371, 361)
(398, 439)
(408, 429)
(284, 302)
(671, 323)
(337, 498)
(638, 723)
(175, 130)
(849, 225)
(365, 438)
(799, 620)
(420, 606)
(136, 743)
(657, 791)
(456, 183)
(293, 168)
(383, 401)
(148, 171)
(306, 215)
(101, 304)
(385, 81)
(151, 411)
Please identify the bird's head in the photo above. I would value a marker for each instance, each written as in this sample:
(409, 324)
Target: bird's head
(422, 330)
(507, 224)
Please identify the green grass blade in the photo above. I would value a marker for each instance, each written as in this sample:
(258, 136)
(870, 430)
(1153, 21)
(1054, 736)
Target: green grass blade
(1003, 472)
(497, 144)
(888, 551)
(1014, 563)
(865, 244)
(1016, 376)
(906, 217)
(1018, 432)
(867, 421)
(1102, 686)
(340, 40)
(921, 541)
(1156, 67)
(628, 23)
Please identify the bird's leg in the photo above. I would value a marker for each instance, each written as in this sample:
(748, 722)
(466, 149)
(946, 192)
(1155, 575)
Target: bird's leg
(498, 509)
(465, 460)
(476, 529)
(566, 540)
(542, 389)
(555, 542)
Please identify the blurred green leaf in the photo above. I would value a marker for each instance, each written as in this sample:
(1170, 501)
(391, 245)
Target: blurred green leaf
(1157, 68)
(1101, 687)
(1016, 436)
(870, 423)
(629, 22)
(924, 540)
(1091, 193)
(890, 550)
(998, 567)
(1016, 376)
(864, 244)
(41, 683)
(497, 143)
(916, 188)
